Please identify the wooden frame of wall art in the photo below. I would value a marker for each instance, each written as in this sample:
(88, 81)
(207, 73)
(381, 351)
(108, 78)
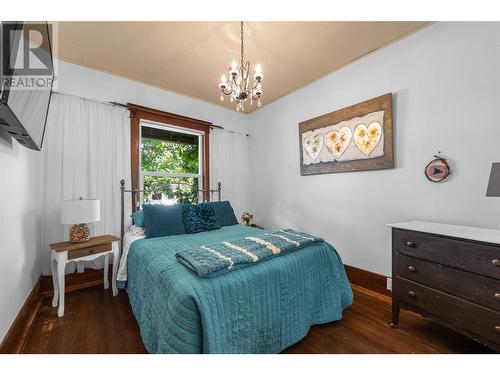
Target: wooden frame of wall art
(354, 138)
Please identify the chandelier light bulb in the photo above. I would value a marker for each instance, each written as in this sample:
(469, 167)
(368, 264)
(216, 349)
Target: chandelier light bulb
(258, 73)
(223, 82)
(234, 69)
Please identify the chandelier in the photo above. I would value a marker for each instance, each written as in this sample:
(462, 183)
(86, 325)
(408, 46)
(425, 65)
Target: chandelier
(238, 86)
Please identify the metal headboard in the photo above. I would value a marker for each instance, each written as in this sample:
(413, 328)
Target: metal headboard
(136, 192)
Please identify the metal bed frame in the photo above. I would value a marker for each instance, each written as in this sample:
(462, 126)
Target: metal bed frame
(136, 192)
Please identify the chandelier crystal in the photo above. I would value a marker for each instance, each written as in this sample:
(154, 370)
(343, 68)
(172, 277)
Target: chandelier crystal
(238, 85)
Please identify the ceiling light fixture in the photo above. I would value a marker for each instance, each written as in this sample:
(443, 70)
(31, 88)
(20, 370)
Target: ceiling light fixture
(237, 84)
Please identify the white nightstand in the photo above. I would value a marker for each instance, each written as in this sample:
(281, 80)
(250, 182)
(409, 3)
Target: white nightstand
(66, 252)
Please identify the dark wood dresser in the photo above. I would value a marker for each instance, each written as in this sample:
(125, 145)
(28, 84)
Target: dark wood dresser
(450, 274)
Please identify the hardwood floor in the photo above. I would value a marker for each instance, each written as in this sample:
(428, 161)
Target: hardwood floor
(365, 329)
(96, 322)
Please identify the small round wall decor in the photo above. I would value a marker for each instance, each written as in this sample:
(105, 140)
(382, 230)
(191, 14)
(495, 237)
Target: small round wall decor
(437, 170)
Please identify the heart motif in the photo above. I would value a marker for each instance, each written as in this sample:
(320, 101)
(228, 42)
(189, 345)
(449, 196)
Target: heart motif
(367, 138)
(337, 141)
(313, 145)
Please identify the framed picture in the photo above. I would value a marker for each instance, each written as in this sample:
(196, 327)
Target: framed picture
(354, 138)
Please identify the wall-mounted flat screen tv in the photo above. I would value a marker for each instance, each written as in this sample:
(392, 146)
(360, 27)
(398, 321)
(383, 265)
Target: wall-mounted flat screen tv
(27, 74)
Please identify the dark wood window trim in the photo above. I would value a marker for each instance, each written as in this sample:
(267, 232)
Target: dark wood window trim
(138, 113)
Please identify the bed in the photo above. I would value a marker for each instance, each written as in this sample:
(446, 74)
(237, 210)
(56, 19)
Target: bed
(262, 308)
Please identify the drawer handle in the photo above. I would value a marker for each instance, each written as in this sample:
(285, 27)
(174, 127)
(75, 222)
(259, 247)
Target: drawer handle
(497, 328)
(91, 251)
(410, 244)
(412, 269)
(497, 296)
(412, 294)
(496, 262)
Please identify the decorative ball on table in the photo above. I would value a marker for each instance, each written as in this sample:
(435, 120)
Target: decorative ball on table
(246, 217)
(79, 233)
(79, 212)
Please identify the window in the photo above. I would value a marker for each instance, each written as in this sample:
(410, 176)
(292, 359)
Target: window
(171, 164)
(169, 156)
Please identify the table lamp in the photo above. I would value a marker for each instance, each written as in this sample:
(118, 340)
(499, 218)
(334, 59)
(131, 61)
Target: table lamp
(493, 189)
(79, 212)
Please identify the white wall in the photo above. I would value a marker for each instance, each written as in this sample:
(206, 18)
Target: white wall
(20, 260)
(446, 85)
(93, 84)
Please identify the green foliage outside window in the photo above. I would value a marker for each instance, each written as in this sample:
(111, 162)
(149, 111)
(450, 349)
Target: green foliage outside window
(164, 156)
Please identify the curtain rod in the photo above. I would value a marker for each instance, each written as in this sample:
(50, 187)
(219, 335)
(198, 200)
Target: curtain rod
(116, 104)
(119, 104)
(229, 131)
(89, 99)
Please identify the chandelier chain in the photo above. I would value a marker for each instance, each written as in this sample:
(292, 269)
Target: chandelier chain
(242, 45)
(238, 84)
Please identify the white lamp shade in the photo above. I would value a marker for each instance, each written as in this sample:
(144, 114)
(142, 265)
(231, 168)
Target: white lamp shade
(80, 211)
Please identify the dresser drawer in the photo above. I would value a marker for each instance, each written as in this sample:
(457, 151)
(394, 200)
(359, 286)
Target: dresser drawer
(462, 314)
(475, 257)
(479, 289)
(78, 253)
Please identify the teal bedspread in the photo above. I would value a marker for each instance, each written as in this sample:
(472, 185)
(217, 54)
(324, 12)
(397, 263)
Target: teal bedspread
(263, 308)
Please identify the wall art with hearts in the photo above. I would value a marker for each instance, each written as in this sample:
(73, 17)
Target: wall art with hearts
(350, 139)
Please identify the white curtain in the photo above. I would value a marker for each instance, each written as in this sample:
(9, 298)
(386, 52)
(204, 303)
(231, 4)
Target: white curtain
(86, 152)
(229, 165)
